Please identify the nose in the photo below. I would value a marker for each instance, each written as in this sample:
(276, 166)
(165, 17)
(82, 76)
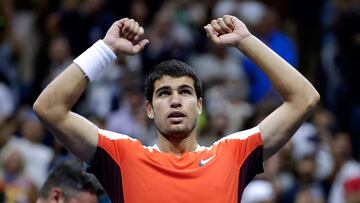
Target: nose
(175, 100)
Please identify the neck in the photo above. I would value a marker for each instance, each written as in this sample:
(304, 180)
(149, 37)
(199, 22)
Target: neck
(177, 146)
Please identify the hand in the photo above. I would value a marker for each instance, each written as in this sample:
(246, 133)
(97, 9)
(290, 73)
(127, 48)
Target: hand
(227, 30)
(123, 37)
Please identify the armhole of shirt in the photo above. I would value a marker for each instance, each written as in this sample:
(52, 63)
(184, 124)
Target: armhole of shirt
(113, 137)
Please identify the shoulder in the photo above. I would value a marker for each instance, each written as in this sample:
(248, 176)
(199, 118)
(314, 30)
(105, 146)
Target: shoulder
(114, 135)
(252, 133)
(110, 138)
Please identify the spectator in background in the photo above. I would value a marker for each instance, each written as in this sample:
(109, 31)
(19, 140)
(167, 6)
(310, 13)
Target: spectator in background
(83, 22)
(18, 187)
(265, 26)
(20, 17)
(9, 54)
(263, 21)
(221, 68)
(217, 125)
(345, 167)
(352, 190)
(347, 32)
(226, 88)
(313, 139)
(68, 183)
(259, 191)
(105, 94)
(168, 39)
(307, 19)
(139, 11)
(37, 156)
(59, 55)
(306, 187)
(130, 119)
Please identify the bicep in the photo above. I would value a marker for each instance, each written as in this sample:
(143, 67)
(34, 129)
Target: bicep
(277, 128)
(77, 134)
(54, 105)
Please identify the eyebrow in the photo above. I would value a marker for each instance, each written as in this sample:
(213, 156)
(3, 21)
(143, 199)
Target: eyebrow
(186, 87)
(168, 88)
(162, 88)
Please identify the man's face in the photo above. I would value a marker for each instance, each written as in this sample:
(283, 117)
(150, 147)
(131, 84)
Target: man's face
(174, 106)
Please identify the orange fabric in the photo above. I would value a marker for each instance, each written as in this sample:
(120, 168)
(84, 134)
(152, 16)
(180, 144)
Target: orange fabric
(211, 174)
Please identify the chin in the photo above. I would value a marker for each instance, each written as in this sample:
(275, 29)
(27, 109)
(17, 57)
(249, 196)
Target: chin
(178, 133)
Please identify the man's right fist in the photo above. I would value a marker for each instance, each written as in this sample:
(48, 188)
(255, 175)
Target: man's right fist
(123, 37)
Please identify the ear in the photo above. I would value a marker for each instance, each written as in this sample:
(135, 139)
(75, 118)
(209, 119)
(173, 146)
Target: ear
(56, 195)
(199, 105)
(149, 110)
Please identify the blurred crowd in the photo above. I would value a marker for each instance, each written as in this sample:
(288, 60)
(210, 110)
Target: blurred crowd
(39, 38)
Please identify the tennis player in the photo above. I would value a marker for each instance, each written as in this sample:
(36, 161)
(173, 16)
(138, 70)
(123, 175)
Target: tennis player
(176, 169)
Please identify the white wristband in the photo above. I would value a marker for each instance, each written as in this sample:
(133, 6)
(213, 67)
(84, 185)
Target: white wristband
(95, 59)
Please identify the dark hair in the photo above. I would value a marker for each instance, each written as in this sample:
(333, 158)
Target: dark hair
(172, 68)
(70, 177)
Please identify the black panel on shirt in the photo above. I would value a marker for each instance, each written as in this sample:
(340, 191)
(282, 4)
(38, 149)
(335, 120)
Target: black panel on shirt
(252, 166)
(108, 173)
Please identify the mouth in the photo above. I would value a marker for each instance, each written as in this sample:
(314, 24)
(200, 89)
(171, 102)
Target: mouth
(176, 117)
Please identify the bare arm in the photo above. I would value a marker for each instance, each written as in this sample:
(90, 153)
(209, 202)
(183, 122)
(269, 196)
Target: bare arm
(54, 104)
(299, 96)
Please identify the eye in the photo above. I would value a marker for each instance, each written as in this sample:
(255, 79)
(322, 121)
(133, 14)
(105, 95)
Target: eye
(185, 92)
(163, 93)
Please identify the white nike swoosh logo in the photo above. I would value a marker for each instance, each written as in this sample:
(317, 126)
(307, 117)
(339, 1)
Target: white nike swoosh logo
(203, 162)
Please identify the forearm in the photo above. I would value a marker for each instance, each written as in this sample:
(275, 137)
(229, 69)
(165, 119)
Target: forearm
(54, 104)
(286, 80)
(299, 96)
(56, 101)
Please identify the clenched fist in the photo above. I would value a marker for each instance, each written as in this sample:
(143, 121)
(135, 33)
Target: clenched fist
(227, 30)
(123, 37)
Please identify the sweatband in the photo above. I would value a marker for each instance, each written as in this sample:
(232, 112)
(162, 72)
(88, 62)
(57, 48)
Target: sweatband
(95, 59)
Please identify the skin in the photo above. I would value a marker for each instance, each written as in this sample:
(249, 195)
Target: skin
(80, 136)
(56, 196)
(176, 134)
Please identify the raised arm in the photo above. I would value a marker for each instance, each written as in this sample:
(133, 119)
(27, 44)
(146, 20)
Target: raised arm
(54, 104)
(299, 96)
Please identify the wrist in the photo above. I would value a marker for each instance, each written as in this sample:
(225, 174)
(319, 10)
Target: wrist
(95, 59)
(243, 42)
(109, 44)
